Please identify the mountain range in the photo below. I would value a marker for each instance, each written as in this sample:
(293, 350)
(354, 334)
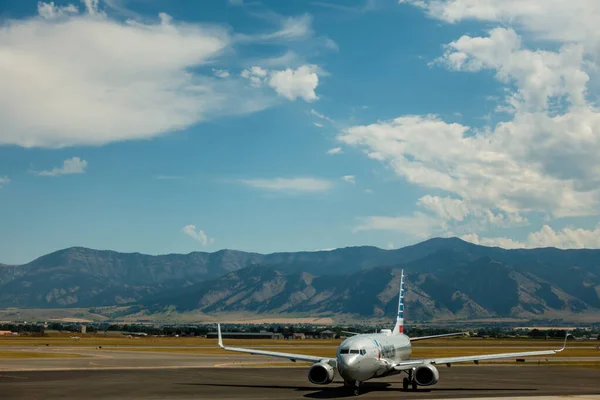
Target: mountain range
(446, 279)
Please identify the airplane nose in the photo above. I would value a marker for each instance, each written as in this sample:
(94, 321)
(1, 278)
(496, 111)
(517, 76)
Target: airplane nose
(348, 367)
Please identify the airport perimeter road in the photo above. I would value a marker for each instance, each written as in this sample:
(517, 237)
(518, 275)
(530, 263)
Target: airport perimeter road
(291, 383)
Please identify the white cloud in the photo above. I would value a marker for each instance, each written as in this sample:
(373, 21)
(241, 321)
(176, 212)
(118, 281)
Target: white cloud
(445, 207)
(503, 242)
(220, 73)
(293, 84)
(293, 185)
(335, 150)
(73, 165)
(321, 116)
(555, 20)
(390, 246)
(369, 191)
(199, 235)
(291, 28)
(567, 238)
(70, 77)
(287, 83)
(4, 180)
(50, 10)
(539, 75)
(349, 178)
(317, 125)
(542, 160)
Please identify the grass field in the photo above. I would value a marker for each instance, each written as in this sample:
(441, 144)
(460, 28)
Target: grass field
(35, 354)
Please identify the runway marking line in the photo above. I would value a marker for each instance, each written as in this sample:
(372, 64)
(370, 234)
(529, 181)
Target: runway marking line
(12, 377)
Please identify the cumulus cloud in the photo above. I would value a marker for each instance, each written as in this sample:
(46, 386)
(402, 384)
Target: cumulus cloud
(335, 150)
(555, 20)
(495, 170)
(538, 75)
(445, 207)
(288, 83)
(540, 161)
(74, 76)
(198, 235)
(50, 10)
(566, 238)
(73, 165)
(291, 185)
(4, 180)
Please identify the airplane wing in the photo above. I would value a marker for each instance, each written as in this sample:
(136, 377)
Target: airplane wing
(290, 356)
(414, 339)
(405, 365)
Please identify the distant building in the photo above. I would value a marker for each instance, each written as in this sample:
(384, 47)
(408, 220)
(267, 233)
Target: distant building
(327, 334)
(6, 333)
(83, 329)
(246, 335)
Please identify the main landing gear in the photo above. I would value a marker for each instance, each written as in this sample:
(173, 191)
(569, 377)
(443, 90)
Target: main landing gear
(409, 381)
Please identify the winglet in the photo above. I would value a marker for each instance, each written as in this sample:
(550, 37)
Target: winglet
(564, 343)
(220, 337)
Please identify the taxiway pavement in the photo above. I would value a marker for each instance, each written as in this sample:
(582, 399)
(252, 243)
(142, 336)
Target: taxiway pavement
(292, 383)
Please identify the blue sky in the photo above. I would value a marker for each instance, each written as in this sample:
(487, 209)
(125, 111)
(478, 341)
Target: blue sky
(172, 126)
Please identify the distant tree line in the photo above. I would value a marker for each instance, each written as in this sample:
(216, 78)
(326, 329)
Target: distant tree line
(201, 330)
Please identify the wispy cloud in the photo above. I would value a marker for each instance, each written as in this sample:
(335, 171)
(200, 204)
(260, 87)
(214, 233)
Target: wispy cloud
(335, 150)
(321, 116)
(73, 165)
(369, 5)
(199, 235)
(418, 225)
(349, 178)
(298, 185)
(4, 180)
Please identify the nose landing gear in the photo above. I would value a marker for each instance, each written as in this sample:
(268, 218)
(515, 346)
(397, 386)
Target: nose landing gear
(355, 386)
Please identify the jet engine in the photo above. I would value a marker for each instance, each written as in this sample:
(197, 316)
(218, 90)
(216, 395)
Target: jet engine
(426, 375)
(321, 374)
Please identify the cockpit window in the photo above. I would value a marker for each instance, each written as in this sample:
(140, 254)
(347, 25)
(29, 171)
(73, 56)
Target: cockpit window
(344, 351)
(363, 352)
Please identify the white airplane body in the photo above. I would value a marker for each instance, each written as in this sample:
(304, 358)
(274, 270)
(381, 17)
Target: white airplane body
(375, 355)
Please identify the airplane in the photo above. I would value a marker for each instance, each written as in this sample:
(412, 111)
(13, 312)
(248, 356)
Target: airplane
(362, 357)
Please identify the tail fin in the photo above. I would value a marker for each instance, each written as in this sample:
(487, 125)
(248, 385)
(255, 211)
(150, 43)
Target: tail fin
(399, 327)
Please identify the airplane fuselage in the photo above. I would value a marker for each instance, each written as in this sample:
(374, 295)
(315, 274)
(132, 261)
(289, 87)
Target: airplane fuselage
(367, 356)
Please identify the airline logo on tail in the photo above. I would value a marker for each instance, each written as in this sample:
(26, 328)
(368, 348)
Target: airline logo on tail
(399, 328)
